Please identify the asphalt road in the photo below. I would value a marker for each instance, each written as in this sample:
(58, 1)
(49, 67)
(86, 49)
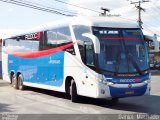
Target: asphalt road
(38, 101)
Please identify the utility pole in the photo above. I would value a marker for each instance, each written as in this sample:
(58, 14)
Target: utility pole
(139, 10)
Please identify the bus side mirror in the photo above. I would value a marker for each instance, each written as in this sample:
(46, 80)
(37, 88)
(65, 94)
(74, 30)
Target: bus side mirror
(94, 40)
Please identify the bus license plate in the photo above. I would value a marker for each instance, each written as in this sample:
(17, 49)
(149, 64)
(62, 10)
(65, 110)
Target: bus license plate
(129, 92)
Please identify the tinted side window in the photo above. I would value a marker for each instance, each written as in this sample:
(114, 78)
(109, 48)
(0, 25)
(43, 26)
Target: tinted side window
(78, 32)
(90, 55)
(52, 38)
(63, 36)
(26, 43)
(60, 37)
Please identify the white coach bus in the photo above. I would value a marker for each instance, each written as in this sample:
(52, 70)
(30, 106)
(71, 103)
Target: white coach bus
(96, 57)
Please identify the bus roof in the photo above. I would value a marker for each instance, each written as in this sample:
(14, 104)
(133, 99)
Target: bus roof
(99, 21)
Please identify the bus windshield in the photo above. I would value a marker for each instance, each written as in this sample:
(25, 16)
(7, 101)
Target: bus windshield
(122, 50)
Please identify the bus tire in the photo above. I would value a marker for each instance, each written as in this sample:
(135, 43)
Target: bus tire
(20, 82)
(73, 92)
(14, 82)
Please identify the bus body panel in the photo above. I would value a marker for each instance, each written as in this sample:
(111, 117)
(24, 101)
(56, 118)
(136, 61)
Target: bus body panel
(76, 69)
(46, 70)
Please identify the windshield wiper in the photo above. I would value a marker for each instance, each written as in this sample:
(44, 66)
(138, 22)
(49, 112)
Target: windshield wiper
(131, 58)
(118, 60)
(135, 64)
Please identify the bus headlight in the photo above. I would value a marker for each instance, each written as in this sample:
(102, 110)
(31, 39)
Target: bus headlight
(147, 81)
(102, 79)
(105, 81)
(110, 83)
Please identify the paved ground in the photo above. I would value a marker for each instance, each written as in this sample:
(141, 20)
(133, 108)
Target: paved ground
(40, 101)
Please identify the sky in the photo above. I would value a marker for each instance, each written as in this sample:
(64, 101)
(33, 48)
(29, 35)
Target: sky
(15, 19)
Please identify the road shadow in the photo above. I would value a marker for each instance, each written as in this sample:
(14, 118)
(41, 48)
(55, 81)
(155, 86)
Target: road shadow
(4, 108)
(49, 92)
(143, 104)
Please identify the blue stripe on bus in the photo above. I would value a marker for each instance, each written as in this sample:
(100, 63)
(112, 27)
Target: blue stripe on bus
(47, 70)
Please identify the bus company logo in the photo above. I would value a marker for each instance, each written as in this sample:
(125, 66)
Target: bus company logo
(33, 36)
(38, 35)
(136, 80)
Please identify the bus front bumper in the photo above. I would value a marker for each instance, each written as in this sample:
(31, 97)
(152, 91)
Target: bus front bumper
(124, 90)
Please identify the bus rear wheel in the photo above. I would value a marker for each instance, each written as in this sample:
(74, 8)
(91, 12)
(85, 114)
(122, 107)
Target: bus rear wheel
(73, 92)
(20, 82)
(14, 82)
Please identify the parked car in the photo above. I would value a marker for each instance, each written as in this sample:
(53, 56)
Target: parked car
(152, 65)
(157, 66)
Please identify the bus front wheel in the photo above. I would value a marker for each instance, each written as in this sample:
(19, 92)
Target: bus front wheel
(73, 92)
(14, 82)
